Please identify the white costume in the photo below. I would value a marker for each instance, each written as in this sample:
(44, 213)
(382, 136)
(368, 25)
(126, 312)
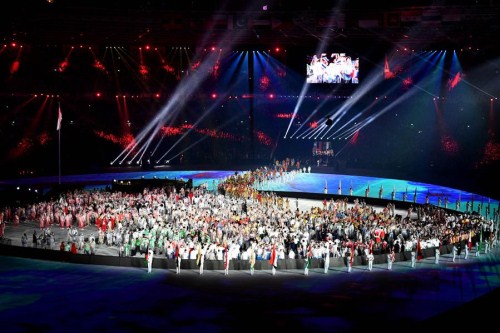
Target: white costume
(227, 257)
(349, 262)
(178, 260)
(150, 260)
(327, 257)
(371, 257)
(390, 260)
(201, 258)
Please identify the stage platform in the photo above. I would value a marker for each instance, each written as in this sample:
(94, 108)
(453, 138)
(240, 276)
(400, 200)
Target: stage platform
(60, 295)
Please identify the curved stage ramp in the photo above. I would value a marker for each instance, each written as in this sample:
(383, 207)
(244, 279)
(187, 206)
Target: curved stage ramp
(48, 296)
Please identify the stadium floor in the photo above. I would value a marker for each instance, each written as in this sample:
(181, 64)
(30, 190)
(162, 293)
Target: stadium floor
(43, 296)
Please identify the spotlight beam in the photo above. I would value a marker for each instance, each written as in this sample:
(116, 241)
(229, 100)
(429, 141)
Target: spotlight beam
(200, 140)
(205, 114)
(305, 122)
(185, 89)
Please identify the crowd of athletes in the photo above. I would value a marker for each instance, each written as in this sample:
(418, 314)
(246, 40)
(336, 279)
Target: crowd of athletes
(234, 217)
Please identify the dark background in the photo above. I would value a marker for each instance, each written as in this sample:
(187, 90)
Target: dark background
(242, 124)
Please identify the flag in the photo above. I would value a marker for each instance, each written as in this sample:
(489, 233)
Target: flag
(309, 256)
(198, 256)
(420, 255)
(176, 255)
(273, 261)
(226, 257)
(59, 118)
(352, 253)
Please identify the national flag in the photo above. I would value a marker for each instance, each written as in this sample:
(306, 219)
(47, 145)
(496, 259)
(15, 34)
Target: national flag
(176, 255)
(352, 253)
(309, 256)
(198, 256)
(420, 256)
(226, 256)
(273, 261)
(59, 118)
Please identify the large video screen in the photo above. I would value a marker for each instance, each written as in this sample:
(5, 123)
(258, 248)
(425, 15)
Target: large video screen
(332, 68)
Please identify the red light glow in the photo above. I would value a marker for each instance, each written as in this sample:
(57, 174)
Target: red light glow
(263, 138)
(407, 82)
(264, 82)
(124, 141)
(354, 138)
(285, 116)
(14, 67)
(143, 70)
(453, 82)
(449, 145)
